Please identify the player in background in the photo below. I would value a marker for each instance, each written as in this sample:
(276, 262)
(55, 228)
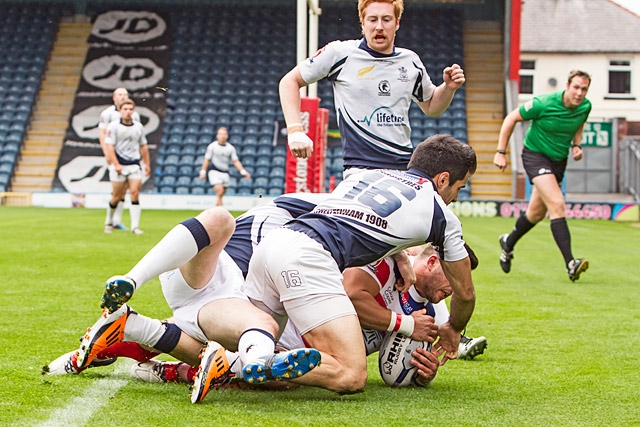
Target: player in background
(557, 121)
(374, 82)
(127, 154)
(107, 116)
(215, 165)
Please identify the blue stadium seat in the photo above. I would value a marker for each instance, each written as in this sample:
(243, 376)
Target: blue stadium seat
(168, 181)
(261, 172)
(263, 160)
(278, 161)
(277, 172)
(261, 182)
(170, 170)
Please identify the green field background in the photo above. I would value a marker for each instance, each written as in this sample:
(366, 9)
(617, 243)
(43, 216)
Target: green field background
(559, 353)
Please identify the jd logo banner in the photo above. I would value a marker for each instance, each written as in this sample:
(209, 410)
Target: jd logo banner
(129, 49)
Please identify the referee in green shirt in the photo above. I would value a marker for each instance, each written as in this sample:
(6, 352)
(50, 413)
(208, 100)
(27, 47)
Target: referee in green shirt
(557, 121)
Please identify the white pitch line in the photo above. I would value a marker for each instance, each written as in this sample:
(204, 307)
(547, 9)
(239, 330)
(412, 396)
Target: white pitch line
(94, 397)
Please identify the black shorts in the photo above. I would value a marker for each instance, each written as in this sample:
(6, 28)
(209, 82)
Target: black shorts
(536, 164)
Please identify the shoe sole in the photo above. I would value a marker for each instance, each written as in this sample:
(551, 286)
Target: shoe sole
(212, 373)
(476, 350)
(282, 366)
(581, 269)
(107, 331)
(118, 291)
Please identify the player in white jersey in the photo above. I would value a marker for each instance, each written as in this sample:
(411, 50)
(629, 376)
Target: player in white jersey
(127, 155)
(107, 116)
(374, 83)
(215, 165)
(295, 272)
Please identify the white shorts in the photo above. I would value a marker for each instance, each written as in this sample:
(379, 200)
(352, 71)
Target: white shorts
(186, 302)
(295, 277)
(217, 177)
(128, 172)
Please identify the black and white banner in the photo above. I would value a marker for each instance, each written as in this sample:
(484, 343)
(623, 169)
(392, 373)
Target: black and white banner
(129, 49)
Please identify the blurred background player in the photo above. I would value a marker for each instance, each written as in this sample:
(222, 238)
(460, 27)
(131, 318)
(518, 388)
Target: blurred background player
(127, 153)
(219, 153)
(557, 122)
(374, 83)
(107, 116)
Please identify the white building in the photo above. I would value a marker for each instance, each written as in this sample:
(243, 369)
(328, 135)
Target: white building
(597, 36)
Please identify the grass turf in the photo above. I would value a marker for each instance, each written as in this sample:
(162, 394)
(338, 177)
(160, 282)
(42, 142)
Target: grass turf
(560, 353)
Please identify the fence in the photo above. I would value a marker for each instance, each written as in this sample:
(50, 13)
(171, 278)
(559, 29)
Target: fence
(629, 155)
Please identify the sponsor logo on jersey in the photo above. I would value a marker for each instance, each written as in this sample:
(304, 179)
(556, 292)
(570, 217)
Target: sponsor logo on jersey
(528, 105)
(404, 75)
(365, 70)
(383, 116)
(317, 54)
(384, 88)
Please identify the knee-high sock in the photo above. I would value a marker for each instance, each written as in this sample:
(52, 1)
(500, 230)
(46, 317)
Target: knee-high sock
(523, 225)
(134, 212)
(117, 214)
(175, 249)
(109, 219)
(560, 231)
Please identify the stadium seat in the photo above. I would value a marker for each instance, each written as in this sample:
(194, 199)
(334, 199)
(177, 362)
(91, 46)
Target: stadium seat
(261, 172)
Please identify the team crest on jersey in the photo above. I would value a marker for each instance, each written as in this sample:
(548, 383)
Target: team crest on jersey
(404, 75)
(384, 88)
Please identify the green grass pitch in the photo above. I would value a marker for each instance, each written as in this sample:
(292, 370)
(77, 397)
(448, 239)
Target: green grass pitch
(559, 354)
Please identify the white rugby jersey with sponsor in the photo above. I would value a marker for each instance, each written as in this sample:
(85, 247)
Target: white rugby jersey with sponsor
(254, 224)
(220, 156)
(127, 140)
(372, 94)
(376, 213)
(111, 114)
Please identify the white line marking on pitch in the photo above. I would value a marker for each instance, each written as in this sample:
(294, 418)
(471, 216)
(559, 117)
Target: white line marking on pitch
(79, 410)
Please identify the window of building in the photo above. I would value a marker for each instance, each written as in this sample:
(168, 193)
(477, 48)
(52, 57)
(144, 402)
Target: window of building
(619, 77)
(527, 69)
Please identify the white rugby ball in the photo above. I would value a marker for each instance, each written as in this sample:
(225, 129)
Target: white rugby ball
(394, 359)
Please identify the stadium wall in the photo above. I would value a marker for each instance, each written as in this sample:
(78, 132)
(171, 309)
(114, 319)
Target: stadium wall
(603, 210)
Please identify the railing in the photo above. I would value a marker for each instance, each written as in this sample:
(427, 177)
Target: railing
(629, 178)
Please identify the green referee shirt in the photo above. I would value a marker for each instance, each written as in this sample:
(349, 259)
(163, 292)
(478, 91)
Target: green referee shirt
(553, 126)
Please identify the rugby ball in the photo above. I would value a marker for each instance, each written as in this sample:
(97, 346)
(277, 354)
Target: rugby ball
(394, 360)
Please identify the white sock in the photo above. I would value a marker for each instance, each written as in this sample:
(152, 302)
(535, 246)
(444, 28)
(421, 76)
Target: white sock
(134, 212)
(235, 362)
(143, 330)
(109, 219)
(255, 344)
(117, 214)
(442, 313)
(175, 249)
